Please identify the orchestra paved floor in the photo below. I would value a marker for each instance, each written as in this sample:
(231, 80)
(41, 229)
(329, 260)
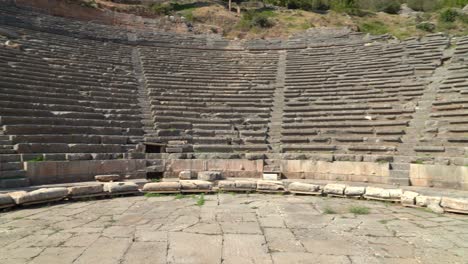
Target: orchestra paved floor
(231, 228)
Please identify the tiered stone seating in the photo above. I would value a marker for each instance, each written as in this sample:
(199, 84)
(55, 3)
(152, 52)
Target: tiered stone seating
(67, 96)
(219, 101)
(355, 98)
(152, 34)
(447, 127)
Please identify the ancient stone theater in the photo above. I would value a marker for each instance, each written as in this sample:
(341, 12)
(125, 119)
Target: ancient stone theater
(124, 144)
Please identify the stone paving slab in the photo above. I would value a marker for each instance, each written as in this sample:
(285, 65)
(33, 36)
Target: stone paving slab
(231, 228)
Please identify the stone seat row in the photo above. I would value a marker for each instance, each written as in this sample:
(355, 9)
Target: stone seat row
(47, 195)
(13, 109)
(68, 94)
(406, 198)
(25, 129)
(68, 76)
(60, 101)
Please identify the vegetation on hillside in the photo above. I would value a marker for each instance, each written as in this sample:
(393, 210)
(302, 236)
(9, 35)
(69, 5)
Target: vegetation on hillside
(280, 18)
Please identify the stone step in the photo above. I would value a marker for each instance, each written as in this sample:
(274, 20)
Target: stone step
(11, 166)
(7, 151)
(14, 183)
(400, 166)
(10, 158)
(12, 174)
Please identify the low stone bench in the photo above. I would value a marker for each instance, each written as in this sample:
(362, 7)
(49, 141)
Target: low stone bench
(354, 191)
(209, 175)
(196, 186)
(304, 188)
(43, 195)
(187, 175)
(408, 198)
(6, 201)
(92, 190)
(455, 205)
(237, 186)
(270, 186)
(115, 188)
(335, 190)
(107, 178)
(162, 187)
(375, 193)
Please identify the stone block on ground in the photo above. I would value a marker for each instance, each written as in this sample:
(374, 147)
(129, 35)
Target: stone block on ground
(435, 208)
(162, 187)
(121, 187)
(40, 195)
(85, 190)
(195, 185)
(227, 185)
(374, 191)
(424, 201)
(271, 176)
(408, 198)
(107, 178)
(270, 186)
(250, 185)
(6, 201)
(237, 185)
(300, 187)
(355, 190)
(383, 194)
(209, 175)
(334, 189)
(457, 205)
(187, 175)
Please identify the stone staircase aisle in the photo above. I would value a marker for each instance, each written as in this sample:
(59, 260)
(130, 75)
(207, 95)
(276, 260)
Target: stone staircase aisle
(274, 128)
(419, 126)
(12, 174)
(143, 102)
(154, 161)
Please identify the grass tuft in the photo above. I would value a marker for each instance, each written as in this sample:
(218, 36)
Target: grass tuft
(359, 210)
(328, 210)
(201, 200)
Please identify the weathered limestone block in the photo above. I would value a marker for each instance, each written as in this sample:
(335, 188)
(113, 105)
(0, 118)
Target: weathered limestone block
(209, 175)
(435, 208)
(187, 175)
(374, 191)
(355, 190)
(304, 187)
(37, 196)
(380, 193)
(196, 185)
(118, 187)
(6, 201)
(409, 198)
(271, 176)
(161, 187)
(455, 204)
(337, 189)
(227, 184)
(85, 190)
(251, 185)
(424, 201)
(274, 186)
(395, 193)
(107, 178)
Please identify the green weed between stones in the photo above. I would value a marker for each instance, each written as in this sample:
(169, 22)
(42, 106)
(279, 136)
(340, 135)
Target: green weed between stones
(359, 210)
(201, 200)
(328, 210)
